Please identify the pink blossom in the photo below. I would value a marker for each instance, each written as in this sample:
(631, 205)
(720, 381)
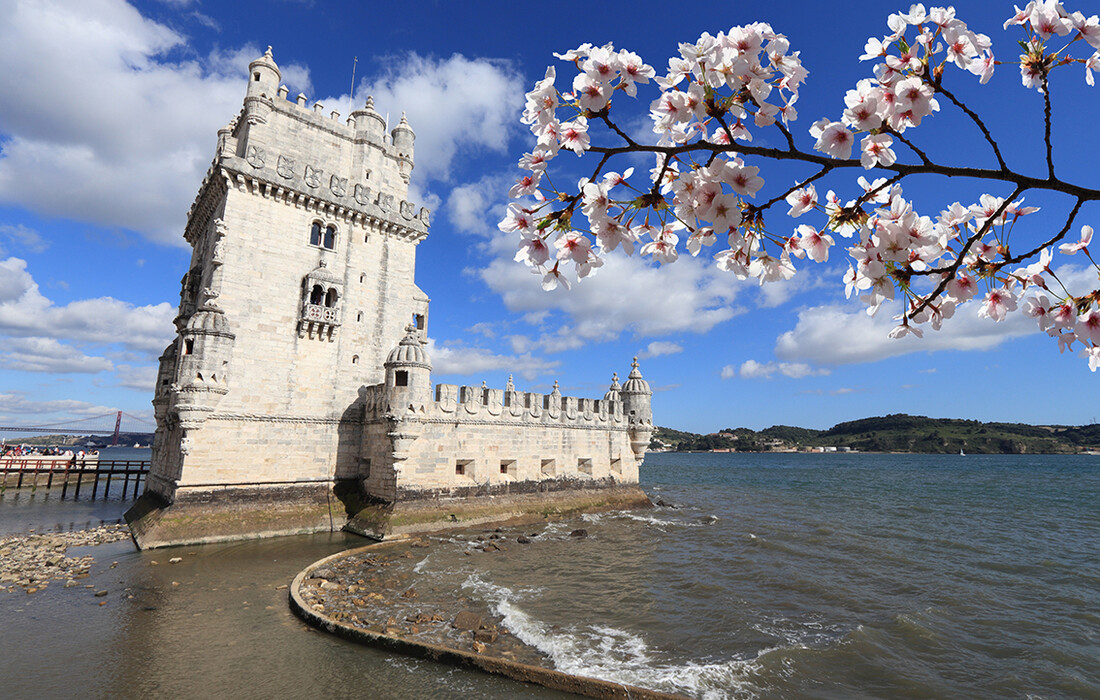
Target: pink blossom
(876, 151)
(533, 251)
(833, 139)
(1082, 244)
(1038, 308)
(997, 304)
(802, 200)
(1088, 327)
(574, 135)
(815, 243)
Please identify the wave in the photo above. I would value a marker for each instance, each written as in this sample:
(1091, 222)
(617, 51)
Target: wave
(619, 656)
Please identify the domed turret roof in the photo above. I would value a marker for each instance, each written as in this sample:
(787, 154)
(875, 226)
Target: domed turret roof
(410, 351)
(208, 319)
(613, 390)
(403, 125)
(265, 60)
(634, 383)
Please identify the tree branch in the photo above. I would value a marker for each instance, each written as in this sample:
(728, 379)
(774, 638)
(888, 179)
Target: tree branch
(938, 87)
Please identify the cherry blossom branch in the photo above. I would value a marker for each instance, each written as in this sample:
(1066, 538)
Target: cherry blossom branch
(1046, 244)
(1046, 123)
(976, 119)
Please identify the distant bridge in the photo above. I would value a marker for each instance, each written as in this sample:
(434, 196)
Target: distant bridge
(106, 424)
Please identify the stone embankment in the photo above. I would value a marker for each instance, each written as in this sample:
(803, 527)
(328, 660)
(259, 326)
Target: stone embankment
(30, 561)
(372, 595)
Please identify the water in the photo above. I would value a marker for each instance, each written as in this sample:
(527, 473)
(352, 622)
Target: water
(777, 576)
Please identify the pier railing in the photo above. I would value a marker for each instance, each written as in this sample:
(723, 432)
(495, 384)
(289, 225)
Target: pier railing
(95, 476)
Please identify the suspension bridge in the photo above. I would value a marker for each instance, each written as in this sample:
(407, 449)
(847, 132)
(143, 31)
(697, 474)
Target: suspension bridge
(107, 424)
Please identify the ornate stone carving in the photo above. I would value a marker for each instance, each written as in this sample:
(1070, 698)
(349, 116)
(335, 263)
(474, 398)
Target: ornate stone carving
(362, 194)
(185, 445)
(285, 167)
(425, 215)
(255, 157)
(338, 185)
(313, 176)
(408, 210)
(385, 201)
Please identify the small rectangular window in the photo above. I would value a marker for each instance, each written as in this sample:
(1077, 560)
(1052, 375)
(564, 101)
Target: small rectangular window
(401, 378)
(418, 320)
(617, 466)
(548, 467)
(508, 467)
(584, 466)
(464, 467)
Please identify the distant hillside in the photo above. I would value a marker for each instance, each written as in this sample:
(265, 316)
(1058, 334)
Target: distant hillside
(83, 441)
(896, 433)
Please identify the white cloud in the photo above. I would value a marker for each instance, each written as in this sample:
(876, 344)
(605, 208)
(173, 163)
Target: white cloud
(141, 378)
(751, 369)
(16, 404)
(660, 347)
(26, 313)
(729, 372)
(836, 335)
(472, 207)
(48, 355)
(627, 294)
(471, 361)
(24, 237)
(453, 105)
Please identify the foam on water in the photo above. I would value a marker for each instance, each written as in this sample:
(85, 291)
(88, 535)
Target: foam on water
(616, 655)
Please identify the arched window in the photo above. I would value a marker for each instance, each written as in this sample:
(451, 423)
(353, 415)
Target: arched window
(330, 298)
(330, 237)
(354, 359)
(317, 295)
(256, 77)
(315, 233)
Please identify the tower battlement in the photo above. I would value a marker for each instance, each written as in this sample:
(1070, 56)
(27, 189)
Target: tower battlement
(298, 388)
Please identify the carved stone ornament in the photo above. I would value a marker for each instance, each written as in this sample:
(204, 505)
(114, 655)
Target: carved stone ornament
(285, 167)
(338, 185)
(210, 294)
(362, 195)
(313, 176)
(185, 445)
(408, 210)
(255, 157)
(385, 201)
(425, 215)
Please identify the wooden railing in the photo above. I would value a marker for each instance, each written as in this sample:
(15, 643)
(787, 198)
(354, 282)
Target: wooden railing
(74, 474)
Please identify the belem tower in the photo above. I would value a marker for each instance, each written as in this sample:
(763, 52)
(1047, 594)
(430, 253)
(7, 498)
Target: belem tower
(297, 394)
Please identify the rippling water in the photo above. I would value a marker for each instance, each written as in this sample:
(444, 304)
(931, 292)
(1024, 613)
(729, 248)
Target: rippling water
(775, 576)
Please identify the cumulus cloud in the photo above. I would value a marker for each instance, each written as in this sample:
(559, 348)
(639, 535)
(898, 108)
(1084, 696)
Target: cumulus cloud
(452, 104)
(15, 404)
(26, 313)
(50, 356)
(627, 295)
(472, 361)
(473, 207)
(141, 378)
(660, 347)
(751, 369)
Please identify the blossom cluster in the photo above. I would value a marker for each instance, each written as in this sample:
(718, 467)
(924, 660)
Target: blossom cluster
(721, 89)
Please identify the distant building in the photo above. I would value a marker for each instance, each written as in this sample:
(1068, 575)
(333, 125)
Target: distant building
(297, 395)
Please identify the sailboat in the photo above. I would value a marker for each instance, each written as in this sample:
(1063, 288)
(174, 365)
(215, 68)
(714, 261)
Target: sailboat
(961, 453)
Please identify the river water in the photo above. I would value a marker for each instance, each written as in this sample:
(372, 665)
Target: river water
(774, 576)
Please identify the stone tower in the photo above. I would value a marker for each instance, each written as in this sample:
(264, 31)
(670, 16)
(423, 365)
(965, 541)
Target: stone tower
(301, 281)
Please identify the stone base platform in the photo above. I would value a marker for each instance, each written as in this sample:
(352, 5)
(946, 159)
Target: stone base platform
(235, 513)
(202, 516)
(422, 511)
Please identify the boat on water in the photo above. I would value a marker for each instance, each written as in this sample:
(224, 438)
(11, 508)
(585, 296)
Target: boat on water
(961, 453)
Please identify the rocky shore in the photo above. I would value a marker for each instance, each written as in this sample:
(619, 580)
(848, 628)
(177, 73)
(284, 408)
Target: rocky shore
(378, 590)
(30, 561)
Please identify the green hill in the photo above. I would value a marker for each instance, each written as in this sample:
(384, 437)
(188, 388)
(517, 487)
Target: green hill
(897, 432)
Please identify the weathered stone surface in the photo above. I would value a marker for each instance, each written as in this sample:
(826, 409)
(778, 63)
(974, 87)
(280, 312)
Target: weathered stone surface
(467, 620)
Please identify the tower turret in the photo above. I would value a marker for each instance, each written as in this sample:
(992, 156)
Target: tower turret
(637, 405)
(403, 138)
(408, 375)
(369, 124)
(263, 76)
(205, 347)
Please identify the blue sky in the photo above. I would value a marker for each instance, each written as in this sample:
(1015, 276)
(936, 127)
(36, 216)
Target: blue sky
(109, 121)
